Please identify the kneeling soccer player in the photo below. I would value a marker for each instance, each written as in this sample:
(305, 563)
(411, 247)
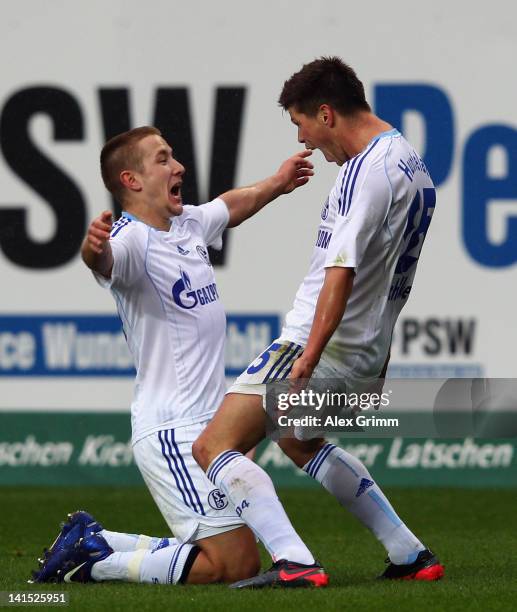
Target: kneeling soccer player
(154, 260)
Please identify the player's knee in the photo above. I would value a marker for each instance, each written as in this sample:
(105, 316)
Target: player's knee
(207, 569)
(215, 572)
(201, 453)
(300, 452)
(242, 568)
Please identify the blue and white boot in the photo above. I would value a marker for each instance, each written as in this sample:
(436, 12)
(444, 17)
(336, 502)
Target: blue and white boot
(79, 524)
(74, 561)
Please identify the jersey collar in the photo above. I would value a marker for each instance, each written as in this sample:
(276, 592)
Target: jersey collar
(387, 134)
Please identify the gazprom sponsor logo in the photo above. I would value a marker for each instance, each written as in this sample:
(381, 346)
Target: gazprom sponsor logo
(95, 346)
(186, 297)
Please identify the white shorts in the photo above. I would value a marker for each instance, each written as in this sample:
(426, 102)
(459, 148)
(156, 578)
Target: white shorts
(191, 505)
(274, 364)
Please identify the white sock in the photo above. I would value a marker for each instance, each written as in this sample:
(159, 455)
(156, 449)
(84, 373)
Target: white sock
(346, 478)
(168, 565)
(252, 493)
(127, 542)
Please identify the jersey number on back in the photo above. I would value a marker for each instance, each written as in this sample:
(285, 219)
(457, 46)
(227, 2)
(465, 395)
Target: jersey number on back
(419, 218)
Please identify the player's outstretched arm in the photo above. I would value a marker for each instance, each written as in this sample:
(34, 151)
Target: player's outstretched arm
(244, 202)
(96, 250)
(330, 309)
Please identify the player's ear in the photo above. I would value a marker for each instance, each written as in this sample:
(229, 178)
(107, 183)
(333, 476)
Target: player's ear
(130, 180)
(326, 115)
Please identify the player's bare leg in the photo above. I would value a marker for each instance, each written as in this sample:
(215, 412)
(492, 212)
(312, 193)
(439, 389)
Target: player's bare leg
(348, 480)
(237, 427)
(239, 424)
(227, 557)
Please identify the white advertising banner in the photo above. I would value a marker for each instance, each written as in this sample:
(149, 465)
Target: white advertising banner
(209, 75)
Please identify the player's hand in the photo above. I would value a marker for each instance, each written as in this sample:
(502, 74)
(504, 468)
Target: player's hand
(296, 171)
(300, 374)
(99, 231)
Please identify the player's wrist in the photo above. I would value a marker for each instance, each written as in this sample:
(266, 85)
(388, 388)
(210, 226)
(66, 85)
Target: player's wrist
(310, 358)
(279, 182)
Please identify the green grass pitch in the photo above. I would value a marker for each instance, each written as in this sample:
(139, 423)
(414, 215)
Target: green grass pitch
(473, 531)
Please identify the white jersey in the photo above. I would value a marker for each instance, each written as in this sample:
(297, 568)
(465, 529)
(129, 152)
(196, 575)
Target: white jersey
(374, 220)
(175, 325)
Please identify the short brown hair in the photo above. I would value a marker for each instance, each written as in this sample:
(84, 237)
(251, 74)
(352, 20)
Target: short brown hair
(327, 80)
(122, 153)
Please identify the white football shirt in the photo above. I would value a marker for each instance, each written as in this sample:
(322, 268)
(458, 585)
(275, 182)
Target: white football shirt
(173, 319)
(374, 220)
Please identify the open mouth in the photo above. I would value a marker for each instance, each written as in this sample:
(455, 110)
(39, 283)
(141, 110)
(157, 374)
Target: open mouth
(176, 190)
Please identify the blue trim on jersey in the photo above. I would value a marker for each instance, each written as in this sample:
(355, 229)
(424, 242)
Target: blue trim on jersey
(345, 193)
(219, 463)
(171, 470)
(373, 141)
(180, 473)
(119, 225)
(341, 201)
(173, 441)
(387, 134)
(129, 216)
(351, 195)
(317, 461)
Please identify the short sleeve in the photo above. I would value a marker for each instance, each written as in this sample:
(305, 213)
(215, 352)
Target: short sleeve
(128, 248)
(359, 219)
(213, 218)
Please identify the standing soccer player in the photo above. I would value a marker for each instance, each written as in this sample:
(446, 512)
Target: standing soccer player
(370, 234)
(154, 260)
